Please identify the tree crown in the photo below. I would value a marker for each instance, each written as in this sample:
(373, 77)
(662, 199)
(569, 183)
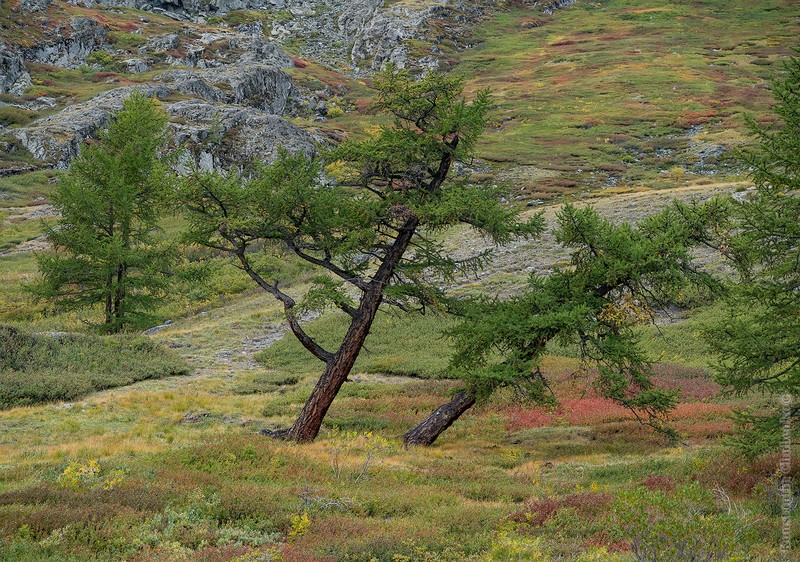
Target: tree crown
(617, 275)
(109, 203)
(397, 181)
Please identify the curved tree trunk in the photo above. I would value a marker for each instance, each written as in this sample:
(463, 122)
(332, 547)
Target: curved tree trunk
(440, 419)
(338, 366)
(309, 422)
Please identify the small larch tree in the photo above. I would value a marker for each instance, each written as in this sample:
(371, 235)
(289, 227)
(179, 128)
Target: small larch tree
(619, 274)
(757, 338)
(368, 225)
(110, 202)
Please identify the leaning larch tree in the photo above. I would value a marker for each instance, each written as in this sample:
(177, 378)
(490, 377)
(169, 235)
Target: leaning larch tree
(617, 276)
(366, 225)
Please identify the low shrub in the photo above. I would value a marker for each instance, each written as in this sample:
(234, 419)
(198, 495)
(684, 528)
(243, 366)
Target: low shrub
(37, 368)
(102, 59)
(299, 63)
(11, 115)
(662, 483)
(683, 525)
(265, 382)
(588, 410)
(740, 477)
(588, 505)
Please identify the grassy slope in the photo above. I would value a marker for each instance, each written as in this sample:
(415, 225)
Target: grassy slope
(197, 484)
(193, 473)
(186, 444)
(623, 90)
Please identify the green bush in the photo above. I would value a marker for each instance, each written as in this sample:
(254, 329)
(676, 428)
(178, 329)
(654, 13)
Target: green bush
(103, 59)
(42, 368)
(335, 111)
(683, 525)
(240, 17)
(10, 115)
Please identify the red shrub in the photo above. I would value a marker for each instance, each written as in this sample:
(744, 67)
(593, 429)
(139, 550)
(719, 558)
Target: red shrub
(537, 512)
(100, 18)
(656, 482)
(363, 105)
(520, 418)
(590, 410)
(299, 63)
(31, 96)
(688, 119)
(704, 429)
(697, 388)
(739, 476)
(588, 505)
(594, 410)
(701, 410)
(768, 465)
(103, 75)
(601, 539)
(694, 384)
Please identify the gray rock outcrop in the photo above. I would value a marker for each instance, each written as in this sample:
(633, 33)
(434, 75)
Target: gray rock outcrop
(58, 137)
(14, 77)
(211, 50)
(254, 47)
(189, 10)
(382, 39)
(224, 136)
(34, 5)
(550, 6)
(264, 87)
(161, 43)
(73, 43)
(244, 101)
(136, 65)
(364, 34)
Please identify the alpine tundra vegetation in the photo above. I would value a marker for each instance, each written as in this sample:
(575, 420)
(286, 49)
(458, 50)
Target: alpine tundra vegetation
(402, 281)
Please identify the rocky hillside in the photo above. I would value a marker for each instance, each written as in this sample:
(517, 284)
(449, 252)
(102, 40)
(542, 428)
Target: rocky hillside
(603, 95)
(219, 67)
